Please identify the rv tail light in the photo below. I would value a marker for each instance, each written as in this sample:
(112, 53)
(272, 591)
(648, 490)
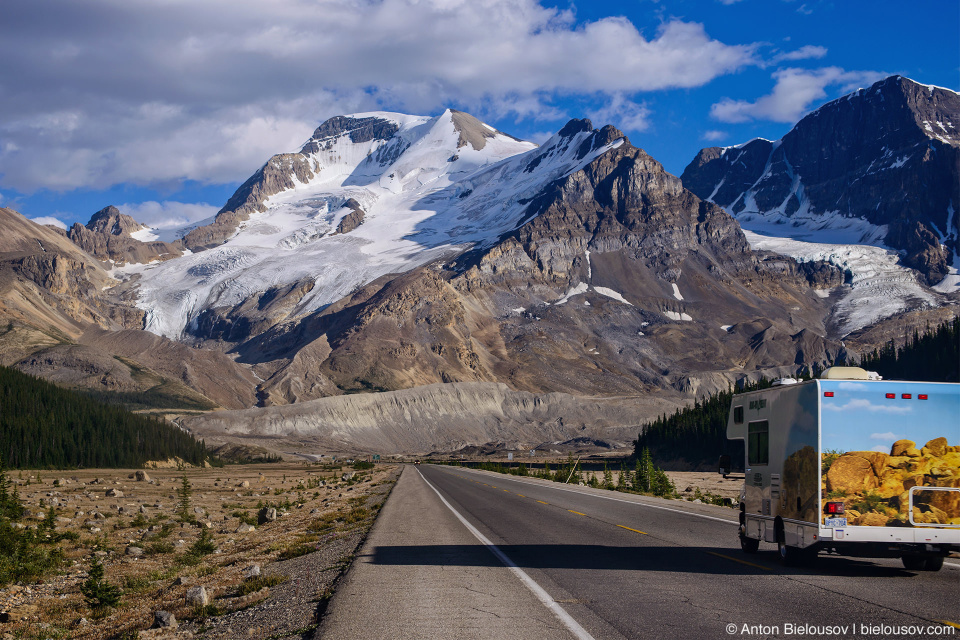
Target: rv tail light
(922, 396)
(828, 394)
(835, 508)
(891, 396)
(906, 396)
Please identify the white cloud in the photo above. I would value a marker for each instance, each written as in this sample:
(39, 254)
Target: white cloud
(105, 92)
(622, 113)
(793, 94)
(884, 436)
(713, 135)
(49, 220)
(803, 53)
(168, 214)
(881, 449)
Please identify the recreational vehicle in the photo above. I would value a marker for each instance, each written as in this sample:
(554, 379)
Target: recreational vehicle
(851, 464)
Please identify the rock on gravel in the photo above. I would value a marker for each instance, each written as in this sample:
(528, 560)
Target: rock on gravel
(197, 596)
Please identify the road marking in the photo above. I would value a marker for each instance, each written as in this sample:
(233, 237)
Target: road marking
(576, 512)
(950, 564)
(507, 490)
(521, 495)
(572, 625)
(634, 530)
(638, 504)
(952, 624)
(542, 502)
(749, 564)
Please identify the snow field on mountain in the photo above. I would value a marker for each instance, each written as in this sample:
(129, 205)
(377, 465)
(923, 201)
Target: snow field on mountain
(879, 286)
(424, 197)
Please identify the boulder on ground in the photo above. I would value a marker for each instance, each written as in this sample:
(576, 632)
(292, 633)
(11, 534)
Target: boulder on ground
(142, 476)
(164, 620)
(197, 597)
(267, 514)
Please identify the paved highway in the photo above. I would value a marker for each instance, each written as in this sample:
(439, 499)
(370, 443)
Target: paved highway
(593, 563)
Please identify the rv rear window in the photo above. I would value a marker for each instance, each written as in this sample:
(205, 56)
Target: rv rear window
(758, 443)
(738, 415)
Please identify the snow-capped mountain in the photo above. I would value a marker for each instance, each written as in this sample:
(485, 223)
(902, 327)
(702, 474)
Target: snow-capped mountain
(869, 182)
(880, 165)
(367, 195)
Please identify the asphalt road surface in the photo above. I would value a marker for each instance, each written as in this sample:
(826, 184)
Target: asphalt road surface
(588, 563)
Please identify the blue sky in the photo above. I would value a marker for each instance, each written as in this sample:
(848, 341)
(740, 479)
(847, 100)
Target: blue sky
(164, 108)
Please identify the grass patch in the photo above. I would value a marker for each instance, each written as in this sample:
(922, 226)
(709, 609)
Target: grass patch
(260, 582)
(296, 551)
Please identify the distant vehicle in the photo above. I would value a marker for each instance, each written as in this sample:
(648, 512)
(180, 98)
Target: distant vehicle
(850, 464)
(416, 462)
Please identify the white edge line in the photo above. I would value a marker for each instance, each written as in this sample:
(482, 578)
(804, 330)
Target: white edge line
(951, 564)
(639, 504)
(535, 588)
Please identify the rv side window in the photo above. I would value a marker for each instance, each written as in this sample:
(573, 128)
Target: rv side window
(758, 444)
(738, 415)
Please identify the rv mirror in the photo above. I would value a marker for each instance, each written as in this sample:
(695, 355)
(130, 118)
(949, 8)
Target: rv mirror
(724, 465)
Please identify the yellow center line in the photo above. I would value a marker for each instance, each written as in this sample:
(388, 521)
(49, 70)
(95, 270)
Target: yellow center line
(951, 624)
(749, 564)
(634, 530)
(507, 490)
(521, 495)
(576, 512)
(542, 502)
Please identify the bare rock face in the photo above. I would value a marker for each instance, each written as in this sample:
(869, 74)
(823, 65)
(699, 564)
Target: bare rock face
(889, 154)
(353, 219)
(107, 238)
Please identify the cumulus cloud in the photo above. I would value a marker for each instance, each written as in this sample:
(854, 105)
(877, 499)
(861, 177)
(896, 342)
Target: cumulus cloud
(889, 435)
(713, 135)
(168, 214)
(623, 113)
(793, 94)
(50, 220)
(106, 91)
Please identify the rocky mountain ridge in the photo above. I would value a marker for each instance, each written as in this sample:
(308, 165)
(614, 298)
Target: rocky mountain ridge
(888, 155)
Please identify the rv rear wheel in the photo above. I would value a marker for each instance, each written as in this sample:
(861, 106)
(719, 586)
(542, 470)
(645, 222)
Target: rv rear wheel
(794, 556)
(748, 545)
(921, 563)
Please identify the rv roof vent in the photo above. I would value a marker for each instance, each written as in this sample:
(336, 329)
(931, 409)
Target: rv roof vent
(848, 373)
(781, 381)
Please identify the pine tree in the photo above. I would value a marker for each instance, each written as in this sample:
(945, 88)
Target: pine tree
(97, 590)
(183, 500)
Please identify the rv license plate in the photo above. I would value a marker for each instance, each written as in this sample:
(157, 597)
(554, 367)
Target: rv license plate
(834, 522)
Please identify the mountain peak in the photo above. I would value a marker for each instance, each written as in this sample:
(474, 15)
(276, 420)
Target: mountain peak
(853, 168)
(109, 220)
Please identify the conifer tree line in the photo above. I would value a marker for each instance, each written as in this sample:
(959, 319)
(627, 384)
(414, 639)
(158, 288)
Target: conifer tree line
(931, 357)
(44, 426)
(697, 435)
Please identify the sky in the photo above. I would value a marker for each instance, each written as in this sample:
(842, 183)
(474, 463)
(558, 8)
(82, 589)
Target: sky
(164, 107)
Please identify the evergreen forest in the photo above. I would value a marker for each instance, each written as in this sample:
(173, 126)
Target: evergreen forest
(44, 426)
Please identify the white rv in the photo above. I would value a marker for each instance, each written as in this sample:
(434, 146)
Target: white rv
(851, 464)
